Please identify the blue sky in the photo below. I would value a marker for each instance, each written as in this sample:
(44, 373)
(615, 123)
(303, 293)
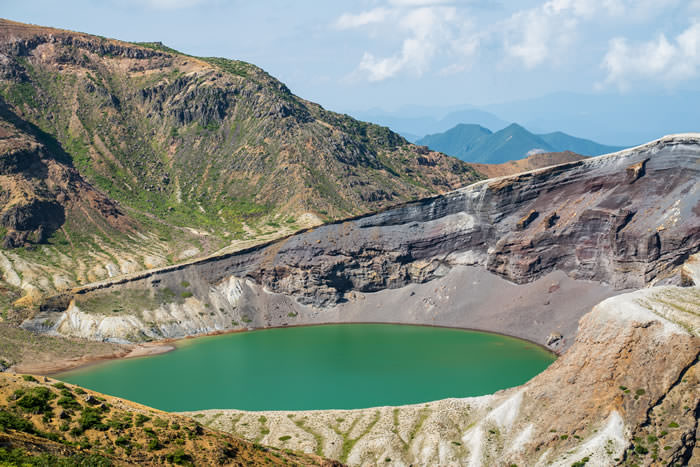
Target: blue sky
(392, 53)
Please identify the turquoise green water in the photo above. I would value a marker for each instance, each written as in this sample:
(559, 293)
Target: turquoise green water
(319, 367)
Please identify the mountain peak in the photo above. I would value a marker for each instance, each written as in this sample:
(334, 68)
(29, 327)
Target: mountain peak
(512, 143)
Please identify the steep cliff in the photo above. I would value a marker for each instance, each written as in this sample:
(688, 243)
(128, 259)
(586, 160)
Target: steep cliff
(625, 220)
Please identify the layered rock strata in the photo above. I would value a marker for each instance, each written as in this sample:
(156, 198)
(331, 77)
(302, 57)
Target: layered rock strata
(595, 222)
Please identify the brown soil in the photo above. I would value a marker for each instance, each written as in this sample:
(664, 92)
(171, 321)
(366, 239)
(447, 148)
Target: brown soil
(536, 161)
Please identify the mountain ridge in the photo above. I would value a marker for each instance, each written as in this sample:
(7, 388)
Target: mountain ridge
(195, 154)
(471, 143)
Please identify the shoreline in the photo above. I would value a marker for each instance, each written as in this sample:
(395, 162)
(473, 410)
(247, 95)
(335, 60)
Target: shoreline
(63, 365)
(149, 349)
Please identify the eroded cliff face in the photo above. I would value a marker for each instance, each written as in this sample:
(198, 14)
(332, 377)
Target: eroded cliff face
(39, 188)
(625, 220)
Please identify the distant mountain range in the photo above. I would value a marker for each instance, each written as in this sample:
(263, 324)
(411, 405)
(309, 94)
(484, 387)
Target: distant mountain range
(415, 122)
(610, 118)
(475, 143)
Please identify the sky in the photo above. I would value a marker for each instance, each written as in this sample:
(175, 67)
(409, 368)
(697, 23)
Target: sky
(389, 54)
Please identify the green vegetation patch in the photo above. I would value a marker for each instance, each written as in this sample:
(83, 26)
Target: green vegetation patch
(35, 400)
(20, 457)
(11, 421)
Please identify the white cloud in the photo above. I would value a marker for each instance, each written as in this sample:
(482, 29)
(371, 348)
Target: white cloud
(429, 28)
(658, 59)
(547, 31)
(164, 4)
(419, 3)
(448, 36)
(349, 20)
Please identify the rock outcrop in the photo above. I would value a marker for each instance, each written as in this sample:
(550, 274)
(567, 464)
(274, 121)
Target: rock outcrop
(39, 187)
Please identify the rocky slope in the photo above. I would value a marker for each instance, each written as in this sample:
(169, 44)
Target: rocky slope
(47, 422)
(626, 393)
(120, 157)
(626, 220)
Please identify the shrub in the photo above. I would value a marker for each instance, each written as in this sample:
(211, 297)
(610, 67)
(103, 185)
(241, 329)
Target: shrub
(122, 442)
(160, 423)
(673, 425)
(285, 438)
(120, 423)
(179, 456)
(141, 419)
(91, 418)
(68, 403)
(153, 444)
(10, 421)
(186, 294)
(36, 400)
(639, 449)
(29, 378)
(84, 443)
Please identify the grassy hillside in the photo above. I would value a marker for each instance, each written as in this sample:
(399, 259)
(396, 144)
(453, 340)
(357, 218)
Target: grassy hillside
(142, 156)
(46, 422)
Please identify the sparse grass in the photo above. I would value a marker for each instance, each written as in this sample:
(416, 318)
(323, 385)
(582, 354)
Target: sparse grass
(317, 437)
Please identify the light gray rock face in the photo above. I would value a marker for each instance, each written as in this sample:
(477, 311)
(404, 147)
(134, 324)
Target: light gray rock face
(625, 220)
